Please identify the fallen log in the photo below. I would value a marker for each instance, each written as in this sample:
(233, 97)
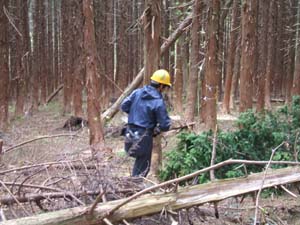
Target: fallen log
(153, 203)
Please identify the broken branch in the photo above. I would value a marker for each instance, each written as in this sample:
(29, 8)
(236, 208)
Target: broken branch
(37, 138)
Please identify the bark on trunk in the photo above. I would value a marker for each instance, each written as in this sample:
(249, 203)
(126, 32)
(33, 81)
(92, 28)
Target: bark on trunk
(152, 24)
(78, 61)
(212, 73)
(178, 78)
(195, 62)
(248, 54)
(231, 56)
(262, 53)
(4, 74)
(296, 80)
(290, 52)
(271, 53)
(93, 91)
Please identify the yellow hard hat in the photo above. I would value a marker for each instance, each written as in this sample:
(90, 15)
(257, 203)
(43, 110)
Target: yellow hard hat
(162, 77)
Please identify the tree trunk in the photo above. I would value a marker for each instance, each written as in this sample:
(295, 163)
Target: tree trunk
(35, 57)
(152, 25)
(212, 73)
(296, 80)
(67, 54)
(78, 61)
(151, 22)
(21, 51)
(290, 50)
(4, 74)
(194, 62)
(249, 10)
(166, 32)
(231, 56)
(279, 56)
(236, 74)
(178, 78)
(262, 53)
(93, 91)
(122, 45)
(271, 52)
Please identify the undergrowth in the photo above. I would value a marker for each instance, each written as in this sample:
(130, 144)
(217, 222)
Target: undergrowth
(253, 139)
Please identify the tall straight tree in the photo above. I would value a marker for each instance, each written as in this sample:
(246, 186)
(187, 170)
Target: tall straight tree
(152, 25)
(78, 64)
(296, 80)
(262, 52)
(231, 55)
(93, 90)
(66, 7)
(22, 43)
(195, 61)
(178, 72)
(292, 11)
(4, 75)
(271, 52)
(211, 60)
(249, 10)
(35, 55)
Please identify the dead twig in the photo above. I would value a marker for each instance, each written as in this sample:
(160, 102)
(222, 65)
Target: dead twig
(105, 220)
(33, 166)
(212, 162)
(98, 199)
(263, 181)
(11, 21)
(288, 191)
(295, 149)
(32, 186)
(12, 195)
(37, 138)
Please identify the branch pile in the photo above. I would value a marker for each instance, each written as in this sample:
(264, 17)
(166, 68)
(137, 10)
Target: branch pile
(173, 197)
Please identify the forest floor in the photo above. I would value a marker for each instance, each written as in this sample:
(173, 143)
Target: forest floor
(112, 170)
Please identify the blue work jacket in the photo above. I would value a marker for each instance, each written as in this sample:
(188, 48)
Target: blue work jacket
(146, 108)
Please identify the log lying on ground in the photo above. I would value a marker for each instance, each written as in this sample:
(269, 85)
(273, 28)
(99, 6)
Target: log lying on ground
(154, 203)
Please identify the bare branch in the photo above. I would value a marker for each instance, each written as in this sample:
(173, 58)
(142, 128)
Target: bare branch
(263, 181)
(11, 21)
(37, 138)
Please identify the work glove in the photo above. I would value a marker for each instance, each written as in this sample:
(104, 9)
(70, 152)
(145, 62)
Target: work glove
(156, 131)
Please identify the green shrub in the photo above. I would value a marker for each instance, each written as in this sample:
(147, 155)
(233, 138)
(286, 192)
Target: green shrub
(255, 137)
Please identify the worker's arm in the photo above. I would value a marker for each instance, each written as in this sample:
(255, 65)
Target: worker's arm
(163, 119)
(126, 104)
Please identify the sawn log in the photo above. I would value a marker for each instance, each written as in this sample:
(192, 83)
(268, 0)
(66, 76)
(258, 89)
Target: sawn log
(153, 203)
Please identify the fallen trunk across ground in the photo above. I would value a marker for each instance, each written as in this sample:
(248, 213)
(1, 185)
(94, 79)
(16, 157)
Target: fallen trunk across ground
(153, 203)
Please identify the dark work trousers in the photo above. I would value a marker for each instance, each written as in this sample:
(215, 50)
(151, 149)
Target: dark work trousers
(140, 148)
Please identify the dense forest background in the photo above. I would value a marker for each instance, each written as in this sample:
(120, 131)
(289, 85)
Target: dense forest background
(224, 57)
(233, 52)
